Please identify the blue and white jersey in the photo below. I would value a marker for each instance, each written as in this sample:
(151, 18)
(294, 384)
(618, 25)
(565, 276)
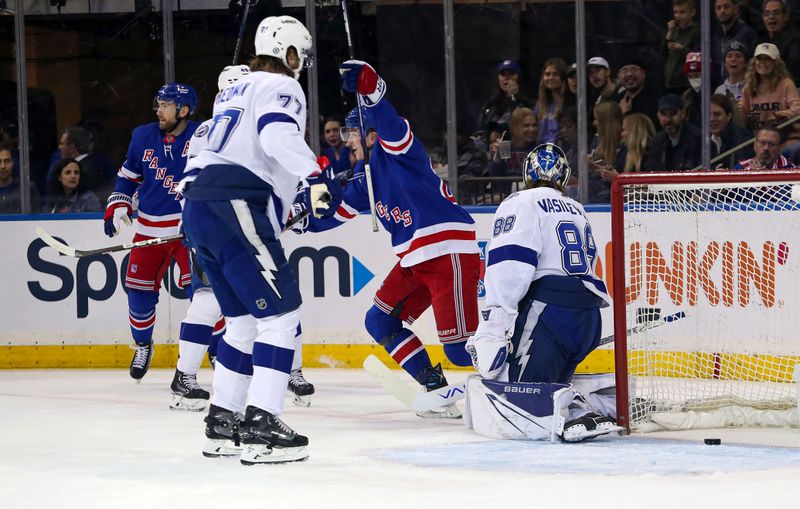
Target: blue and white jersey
(198, 142)
(536, 233)
(256, 145)
(411, 201)
(153, 166)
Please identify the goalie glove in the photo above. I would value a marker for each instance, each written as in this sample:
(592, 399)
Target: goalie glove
(119, 210)
(489, 354)
(358, 76)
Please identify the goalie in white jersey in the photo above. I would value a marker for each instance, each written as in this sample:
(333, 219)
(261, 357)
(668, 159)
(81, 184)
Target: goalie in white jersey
(235, 210)
(542, 312)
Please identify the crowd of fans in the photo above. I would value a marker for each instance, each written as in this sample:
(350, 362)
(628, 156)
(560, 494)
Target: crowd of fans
(635, 125)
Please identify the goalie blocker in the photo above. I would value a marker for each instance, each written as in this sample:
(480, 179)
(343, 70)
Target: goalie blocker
(539, 411)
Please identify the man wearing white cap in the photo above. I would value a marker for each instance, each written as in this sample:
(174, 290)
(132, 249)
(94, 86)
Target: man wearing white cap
(602, 85)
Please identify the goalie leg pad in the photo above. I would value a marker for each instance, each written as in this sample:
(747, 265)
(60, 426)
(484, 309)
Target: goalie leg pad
(516, 411)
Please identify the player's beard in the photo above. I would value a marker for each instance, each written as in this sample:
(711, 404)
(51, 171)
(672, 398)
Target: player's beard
(170, 125)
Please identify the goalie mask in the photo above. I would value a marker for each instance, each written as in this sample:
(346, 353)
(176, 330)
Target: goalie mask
(546, 162)
(276, 34)
(178, 93)
(231, 74)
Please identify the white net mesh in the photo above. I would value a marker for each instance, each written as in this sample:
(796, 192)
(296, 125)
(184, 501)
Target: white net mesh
(722, 263)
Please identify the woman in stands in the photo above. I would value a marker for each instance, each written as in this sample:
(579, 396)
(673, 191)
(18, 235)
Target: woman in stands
(65, 193)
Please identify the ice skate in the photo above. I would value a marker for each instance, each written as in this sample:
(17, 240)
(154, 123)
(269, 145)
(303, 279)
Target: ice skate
(222, 432)
(300, 387)
(140, 363)
(588, 426)
(187, 393)
(433, 378)
(267, 439)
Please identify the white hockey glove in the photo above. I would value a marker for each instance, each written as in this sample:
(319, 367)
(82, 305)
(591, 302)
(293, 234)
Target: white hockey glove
(119, 210)
(489, 354)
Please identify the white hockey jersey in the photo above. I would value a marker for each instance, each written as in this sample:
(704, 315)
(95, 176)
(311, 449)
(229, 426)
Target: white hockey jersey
(256, 145)
(537, 232)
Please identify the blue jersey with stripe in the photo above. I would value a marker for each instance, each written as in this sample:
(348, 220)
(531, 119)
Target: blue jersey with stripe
(411, 201)
(153, 167)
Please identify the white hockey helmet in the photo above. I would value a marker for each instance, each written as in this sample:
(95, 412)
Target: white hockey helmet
(546, 162)
(231, 74)
(276, 34)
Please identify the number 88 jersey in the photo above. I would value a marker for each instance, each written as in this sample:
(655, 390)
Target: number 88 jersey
(538, 232)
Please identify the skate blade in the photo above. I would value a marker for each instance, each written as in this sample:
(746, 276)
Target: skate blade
(256, 454)
(188, 405)
(586, 435)
(220, 449)
(302, 401)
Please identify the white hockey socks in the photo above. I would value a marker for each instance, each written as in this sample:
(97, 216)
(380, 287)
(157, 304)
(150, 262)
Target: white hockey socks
(273, 354)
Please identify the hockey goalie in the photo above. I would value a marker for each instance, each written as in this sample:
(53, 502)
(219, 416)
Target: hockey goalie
(541, 317)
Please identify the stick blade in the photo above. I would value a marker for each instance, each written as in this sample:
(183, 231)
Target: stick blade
(55, 244)
(394, 385)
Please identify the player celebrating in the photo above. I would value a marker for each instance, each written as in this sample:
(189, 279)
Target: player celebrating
(235, 210)
(542, 312)
(153, 166)
(431, 234)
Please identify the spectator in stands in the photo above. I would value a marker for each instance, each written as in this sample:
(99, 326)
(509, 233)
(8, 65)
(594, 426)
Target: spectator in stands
(767, 149)
(769, 96)
(97, 174)
(10, 191)
(568, 141)
(602, 85)
(775, 14)
(606, 151)
(335, 149)
(692, 100)
(498, 108)
(729, 28)
(633, 97)
(736, 56)
(638, 132)
(552, 88)
(677, 146)
(682, 36)
(66, 192)
(725, 134)
(524, 133)
(571, 95)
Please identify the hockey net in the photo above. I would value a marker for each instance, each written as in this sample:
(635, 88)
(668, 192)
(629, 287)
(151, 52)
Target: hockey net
(709, 333)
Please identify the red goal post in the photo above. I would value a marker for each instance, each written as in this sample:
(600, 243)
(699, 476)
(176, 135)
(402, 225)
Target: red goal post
(720, 251)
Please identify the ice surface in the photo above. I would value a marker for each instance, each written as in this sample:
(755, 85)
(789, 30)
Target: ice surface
(93, 438)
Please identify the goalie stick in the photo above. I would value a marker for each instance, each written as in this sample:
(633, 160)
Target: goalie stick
(425, 401)
(79, 253)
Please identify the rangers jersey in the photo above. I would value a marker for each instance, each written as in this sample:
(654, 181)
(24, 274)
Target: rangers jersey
(256, 145)
(536, 233)
(411, 201)
(153, 166)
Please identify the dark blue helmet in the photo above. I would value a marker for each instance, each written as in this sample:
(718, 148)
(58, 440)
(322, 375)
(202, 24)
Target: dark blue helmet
(351, 120)
(547, 162)
(178, 93)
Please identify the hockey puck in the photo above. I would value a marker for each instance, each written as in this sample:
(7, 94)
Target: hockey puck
(712, 441)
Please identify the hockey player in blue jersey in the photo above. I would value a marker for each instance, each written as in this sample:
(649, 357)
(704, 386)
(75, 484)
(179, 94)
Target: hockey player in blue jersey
(235, 210)
(153, 166)
(542, 312)
(430, 233)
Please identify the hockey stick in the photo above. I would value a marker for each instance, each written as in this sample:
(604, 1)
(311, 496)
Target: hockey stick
(364, 149)
(246, 5)
(425, 401)
(78, 253)
(394, 385)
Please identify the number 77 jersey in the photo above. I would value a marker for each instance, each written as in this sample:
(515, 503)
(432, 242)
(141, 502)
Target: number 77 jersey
(538, 232)
(256, 145)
